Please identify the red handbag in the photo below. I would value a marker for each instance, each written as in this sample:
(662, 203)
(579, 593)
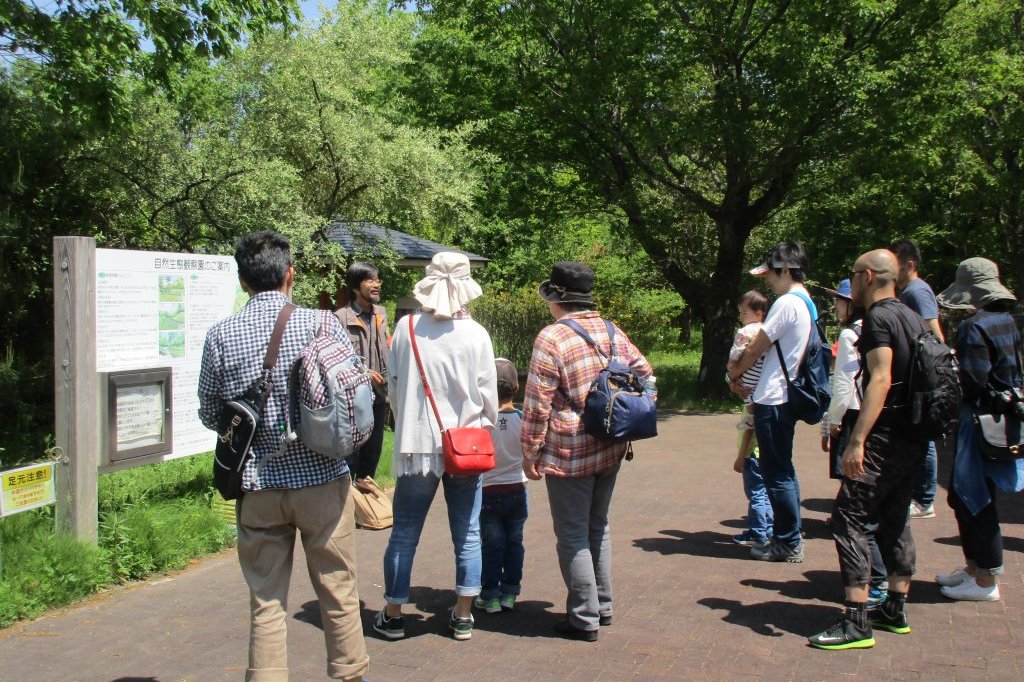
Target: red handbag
(467, 450)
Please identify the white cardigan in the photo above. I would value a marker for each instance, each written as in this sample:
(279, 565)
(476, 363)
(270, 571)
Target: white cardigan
(459, 361)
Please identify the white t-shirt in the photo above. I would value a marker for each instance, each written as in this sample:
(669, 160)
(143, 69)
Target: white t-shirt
(508, 451)
(789, 323)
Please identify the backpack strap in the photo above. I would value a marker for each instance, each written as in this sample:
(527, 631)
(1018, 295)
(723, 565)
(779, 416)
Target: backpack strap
(811, 310)
(575, 326)
(274, 347)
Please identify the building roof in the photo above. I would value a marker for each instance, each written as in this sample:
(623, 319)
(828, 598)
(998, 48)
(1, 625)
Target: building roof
(414, 251)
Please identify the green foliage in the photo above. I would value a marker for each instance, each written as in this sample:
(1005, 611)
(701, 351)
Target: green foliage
(694, 121)
(152, 518)
(513, 319)
(42, 570)
(677, 370)
(85, 45)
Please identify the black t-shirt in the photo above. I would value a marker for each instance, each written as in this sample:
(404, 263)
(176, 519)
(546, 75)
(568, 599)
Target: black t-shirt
(890, 324)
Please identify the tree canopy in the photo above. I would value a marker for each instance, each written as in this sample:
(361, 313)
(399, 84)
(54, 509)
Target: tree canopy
(86, 45)
(695, 120)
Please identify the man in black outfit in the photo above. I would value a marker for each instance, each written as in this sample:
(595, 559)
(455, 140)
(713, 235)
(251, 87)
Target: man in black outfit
(878, 463)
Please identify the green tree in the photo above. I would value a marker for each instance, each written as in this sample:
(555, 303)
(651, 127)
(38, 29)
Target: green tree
(696, 120)
(86, 45)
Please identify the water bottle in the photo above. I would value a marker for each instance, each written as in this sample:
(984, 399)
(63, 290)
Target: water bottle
(651, 387)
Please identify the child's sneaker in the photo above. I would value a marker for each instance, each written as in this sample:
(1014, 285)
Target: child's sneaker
(462, 628)
(508, 602)
(488, 605)
(748, 539)
(392, 628)
(876, 596)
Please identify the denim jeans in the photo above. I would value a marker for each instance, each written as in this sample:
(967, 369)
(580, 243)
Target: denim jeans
(759, 509)
(502, 518)
(926, 477)
(774, 426)
(413, 495)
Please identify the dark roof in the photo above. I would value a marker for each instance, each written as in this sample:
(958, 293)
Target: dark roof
(414, 251)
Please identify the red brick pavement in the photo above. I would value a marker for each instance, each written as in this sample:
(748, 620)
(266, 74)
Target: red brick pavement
(689, 604)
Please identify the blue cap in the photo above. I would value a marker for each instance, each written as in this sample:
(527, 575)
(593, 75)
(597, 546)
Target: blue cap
(844, 289)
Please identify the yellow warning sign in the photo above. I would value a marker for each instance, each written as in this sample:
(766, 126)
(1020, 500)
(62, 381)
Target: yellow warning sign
(26, 488)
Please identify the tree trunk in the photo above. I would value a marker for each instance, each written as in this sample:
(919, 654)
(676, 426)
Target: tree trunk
(719, 324)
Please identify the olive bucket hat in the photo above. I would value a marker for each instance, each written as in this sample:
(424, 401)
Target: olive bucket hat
(977, 284)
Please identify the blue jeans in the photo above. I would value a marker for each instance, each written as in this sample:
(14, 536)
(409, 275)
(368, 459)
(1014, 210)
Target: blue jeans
(926, 477)
(774, 426)
(413, 495)
(759, 508)
(502, 518)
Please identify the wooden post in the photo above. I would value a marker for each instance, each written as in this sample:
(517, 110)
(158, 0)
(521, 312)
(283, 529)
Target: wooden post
(76, 394)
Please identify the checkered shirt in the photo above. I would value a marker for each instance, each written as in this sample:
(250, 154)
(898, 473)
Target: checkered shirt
(563, 363)
(233, 358)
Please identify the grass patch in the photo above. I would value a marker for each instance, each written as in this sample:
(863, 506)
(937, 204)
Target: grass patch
(677, 370)
(151, 519)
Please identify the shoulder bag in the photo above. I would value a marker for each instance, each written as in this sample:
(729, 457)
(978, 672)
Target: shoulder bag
(241, 416)
(467, 450)
(372, 505)
(1000, 436)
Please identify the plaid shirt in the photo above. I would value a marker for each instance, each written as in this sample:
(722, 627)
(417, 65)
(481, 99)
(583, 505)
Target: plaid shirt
(233, 358)
(563, 363)
(986, 343)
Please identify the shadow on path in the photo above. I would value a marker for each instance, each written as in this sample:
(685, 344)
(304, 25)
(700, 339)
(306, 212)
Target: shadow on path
(818, 504)
(772, 618)
(701, 543)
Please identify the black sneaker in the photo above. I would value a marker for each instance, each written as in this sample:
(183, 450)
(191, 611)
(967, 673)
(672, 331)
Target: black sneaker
(776, 551)
(462, 628)
(843, 634)
(890, 623)
(391, 628)
(605, 620)
(567, 630)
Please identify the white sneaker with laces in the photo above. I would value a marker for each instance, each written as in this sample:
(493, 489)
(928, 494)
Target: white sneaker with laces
(953, 578)
(969, 590)
(919, 512)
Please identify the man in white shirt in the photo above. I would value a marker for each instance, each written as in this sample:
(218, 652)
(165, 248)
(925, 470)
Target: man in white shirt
(788, 328)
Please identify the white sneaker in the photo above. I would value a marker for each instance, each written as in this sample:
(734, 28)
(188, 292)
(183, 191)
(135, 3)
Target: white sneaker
(969, 590)
(953, 578)
(919, 512)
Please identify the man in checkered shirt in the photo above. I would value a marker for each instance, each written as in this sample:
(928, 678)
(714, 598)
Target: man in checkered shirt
(581, 469)
(295, 490)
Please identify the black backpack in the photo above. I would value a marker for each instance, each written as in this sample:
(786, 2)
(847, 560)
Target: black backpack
(933, 394)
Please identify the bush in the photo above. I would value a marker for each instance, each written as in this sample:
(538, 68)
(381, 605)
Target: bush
(646, 315)
(513, 319)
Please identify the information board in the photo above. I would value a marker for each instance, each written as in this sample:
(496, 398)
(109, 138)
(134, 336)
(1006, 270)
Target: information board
(153, 309)
(26, 488)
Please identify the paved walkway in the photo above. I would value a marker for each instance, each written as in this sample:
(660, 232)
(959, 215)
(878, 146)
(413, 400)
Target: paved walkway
(689, 604)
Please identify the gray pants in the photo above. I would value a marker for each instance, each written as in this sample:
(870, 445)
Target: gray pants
(579, 512)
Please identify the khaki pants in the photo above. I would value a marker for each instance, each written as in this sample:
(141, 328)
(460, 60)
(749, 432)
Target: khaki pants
(267, 523)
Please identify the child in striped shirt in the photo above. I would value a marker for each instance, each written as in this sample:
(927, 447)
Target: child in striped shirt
(752, 308)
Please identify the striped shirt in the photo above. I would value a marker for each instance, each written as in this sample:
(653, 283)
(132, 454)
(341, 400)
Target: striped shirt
(233, 358)
(986, 343)
(564, 364)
